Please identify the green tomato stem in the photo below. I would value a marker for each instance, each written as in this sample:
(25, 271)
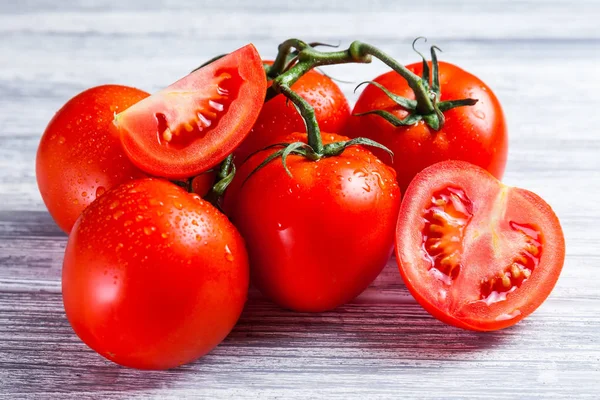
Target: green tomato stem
(424, 103)
(307, 58)
(308, 114)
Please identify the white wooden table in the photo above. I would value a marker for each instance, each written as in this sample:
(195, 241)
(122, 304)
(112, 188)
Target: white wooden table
(541, 58)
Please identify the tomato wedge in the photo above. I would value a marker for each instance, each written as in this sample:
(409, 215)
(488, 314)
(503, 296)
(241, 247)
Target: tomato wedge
(196, 122)
(475, 253)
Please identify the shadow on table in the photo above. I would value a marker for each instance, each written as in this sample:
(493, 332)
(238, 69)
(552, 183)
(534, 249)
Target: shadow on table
(383, 323)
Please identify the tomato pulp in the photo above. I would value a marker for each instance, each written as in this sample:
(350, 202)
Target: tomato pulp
(475, 253)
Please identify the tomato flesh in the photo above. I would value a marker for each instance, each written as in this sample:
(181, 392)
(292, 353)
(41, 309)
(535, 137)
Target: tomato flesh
(196, 122)
(475, 253)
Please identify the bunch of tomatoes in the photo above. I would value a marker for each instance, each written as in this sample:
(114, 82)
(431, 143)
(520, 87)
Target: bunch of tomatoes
(254, 170)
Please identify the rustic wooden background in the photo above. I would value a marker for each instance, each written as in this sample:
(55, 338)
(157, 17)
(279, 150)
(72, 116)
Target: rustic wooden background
(541, 58)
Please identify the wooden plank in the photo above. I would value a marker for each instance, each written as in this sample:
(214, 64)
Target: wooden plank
(384, 346)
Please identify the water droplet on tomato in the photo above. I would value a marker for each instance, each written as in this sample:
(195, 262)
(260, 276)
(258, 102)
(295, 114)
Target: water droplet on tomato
(118, 214)
(479, 114)
(75, 201)
(114, 205)
(149, 229)
(228, 255)
(380, 180)
(138, 218)
(100, 191)
(178, 205)
(61, 140)
(360, 173)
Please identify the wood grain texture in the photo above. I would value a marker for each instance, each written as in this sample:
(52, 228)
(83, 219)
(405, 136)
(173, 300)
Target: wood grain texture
(540, 57)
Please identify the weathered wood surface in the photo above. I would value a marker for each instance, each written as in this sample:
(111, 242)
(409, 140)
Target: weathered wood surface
(542, 60)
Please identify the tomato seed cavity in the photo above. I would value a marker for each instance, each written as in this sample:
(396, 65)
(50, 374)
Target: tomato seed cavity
(445, 220)
(495, 288)
(209, 110)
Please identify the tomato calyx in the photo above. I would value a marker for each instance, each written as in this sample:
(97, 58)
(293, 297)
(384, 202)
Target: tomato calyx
(306, 151)
(427, 106)
(294, 59)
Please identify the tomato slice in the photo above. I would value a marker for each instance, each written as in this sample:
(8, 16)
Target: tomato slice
(196, 122)
(475, 253)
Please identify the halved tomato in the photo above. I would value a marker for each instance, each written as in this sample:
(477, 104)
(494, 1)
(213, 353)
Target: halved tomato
(196, 122)
(475, 253)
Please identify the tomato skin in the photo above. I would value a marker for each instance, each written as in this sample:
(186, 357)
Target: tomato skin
(489, 245)
(79, 156)
(279, 118)
(476, 134)
(208, 114)
(318, 239)
(153, 277)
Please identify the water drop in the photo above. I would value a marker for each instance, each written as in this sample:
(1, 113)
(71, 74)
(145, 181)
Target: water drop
(228, 255)
(479, 114)
(138, 218)
(360, 173)
(118, 214)
(380, 180)
(61, 140)
(149, 229)
(178, 205)
(100, 191)
(114, 204)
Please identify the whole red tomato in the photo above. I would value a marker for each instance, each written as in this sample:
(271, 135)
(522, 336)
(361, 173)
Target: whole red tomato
(476, 133)
(318, 238)
(80, 155)
(153, 277)
(279, 117)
